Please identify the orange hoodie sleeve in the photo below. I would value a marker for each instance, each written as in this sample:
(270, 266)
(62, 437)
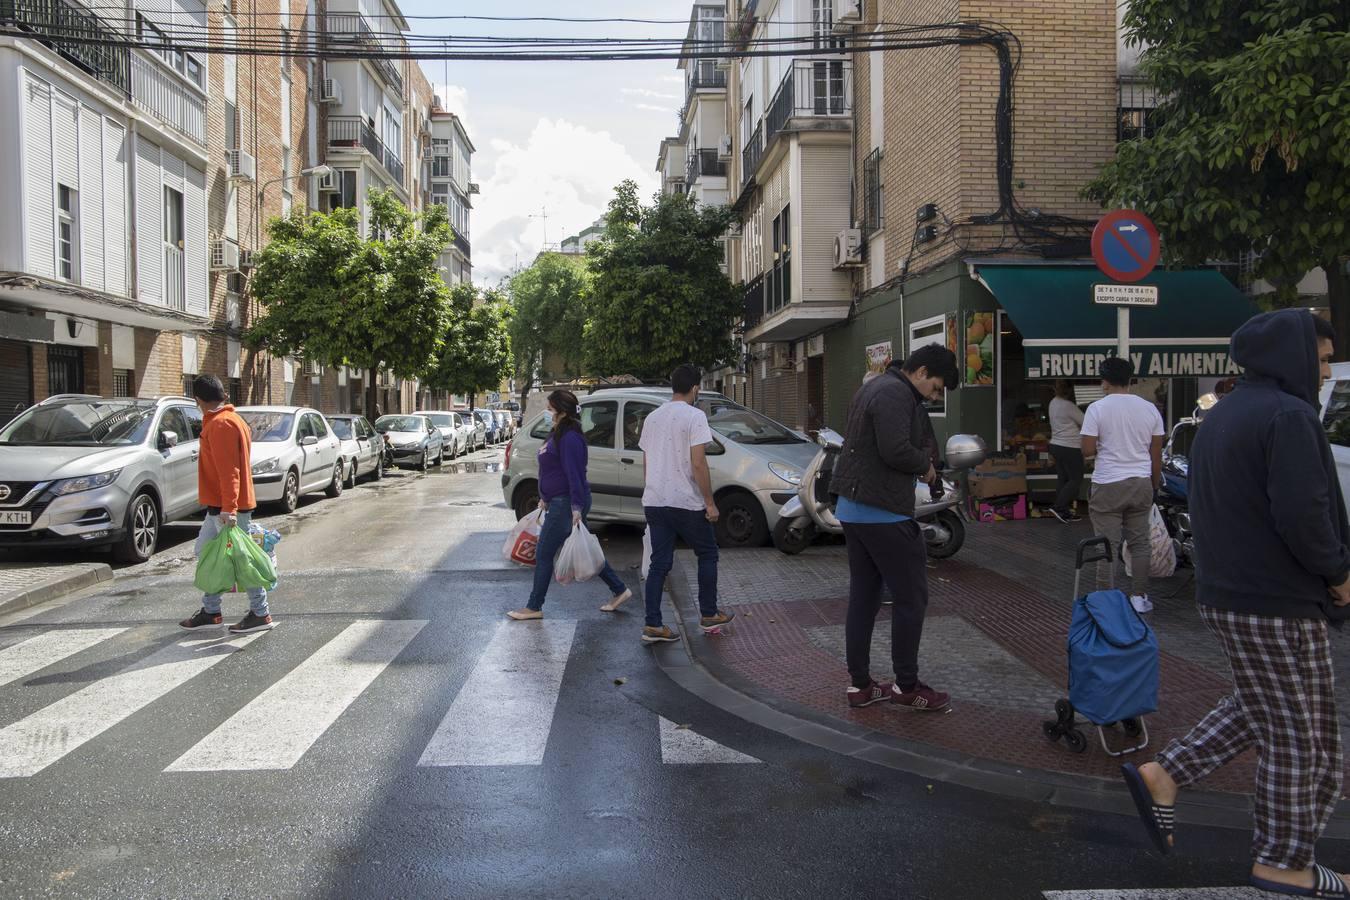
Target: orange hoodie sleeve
(229, 460)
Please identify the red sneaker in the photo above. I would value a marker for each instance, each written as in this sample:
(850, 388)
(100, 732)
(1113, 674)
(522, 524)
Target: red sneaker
(922, 698)
(873, 693)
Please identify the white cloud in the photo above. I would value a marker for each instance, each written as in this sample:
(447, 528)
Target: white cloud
(653, 108)
(456, 100)
(645, 92)
(564, 167)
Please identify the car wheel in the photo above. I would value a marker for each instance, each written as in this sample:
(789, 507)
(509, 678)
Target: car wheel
(378, 472)
(527, 499)
(423, 463)
(351, 475)
(454, 451)
(142, 531)
(741, 522)
(334, 488)
(440, 457)
(290, 493)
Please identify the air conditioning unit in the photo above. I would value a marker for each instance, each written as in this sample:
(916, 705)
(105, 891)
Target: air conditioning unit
(243, 167)
(724, 147)
(332, 182)
(224, 255)
(330, 91)
(312, 369)
(848, 248)
(473, 187)
(248, 259)
(782, 357)
(847, 13)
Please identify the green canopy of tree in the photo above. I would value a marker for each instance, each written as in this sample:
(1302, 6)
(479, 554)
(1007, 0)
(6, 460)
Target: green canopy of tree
(339, 299)
(476, 353)
(659, 297)
(1251, 149)
(548, 318)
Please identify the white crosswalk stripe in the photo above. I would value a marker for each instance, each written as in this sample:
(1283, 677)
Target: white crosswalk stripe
(33, 743)
(1198, 893)
(275, 730)
(683, 746)
(504, 711)
(43, 650)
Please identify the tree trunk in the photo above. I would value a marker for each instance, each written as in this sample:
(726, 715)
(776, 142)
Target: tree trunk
(1338, 298)
(370, 394)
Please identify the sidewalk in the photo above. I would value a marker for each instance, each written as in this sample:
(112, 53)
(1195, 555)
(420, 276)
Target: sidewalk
(995, 639)
(23, 585)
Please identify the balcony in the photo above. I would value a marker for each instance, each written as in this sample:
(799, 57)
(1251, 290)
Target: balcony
(815, 89)
(754, 302)
(162, 94)
(751, 154)
(351, 32)
(703, 74)
(91, 43)
(355, 133)
(461, 243)
(704, 162)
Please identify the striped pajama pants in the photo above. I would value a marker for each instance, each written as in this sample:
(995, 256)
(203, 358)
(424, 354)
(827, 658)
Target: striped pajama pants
(1283, 705)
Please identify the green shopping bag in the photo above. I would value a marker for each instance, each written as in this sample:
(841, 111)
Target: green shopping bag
(215, 567)
(252, 566)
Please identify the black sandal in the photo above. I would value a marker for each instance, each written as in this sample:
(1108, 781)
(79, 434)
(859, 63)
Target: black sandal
(1327, 884)
(1158, 819)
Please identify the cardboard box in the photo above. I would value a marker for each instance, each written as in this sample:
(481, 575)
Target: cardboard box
(1007, 510)
(999, 477)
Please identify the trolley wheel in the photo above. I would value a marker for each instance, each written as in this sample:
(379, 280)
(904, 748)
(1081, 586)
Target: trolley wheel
(1076, 740)
(1064, 710)
(1051, 730)
(1132, 727)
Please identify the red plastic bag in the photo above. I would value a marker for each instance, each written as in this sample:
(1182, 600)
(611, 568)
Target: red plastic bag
(523, 540)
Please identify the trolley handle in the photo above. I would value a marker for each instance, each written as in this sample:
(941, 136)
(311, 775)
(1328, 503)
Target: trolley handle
(1101, 551)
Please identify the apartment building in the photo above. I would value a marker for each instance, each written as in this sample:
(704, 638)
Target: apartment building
(143, 182)
(707, 146)
(452, 187)
(670, 165)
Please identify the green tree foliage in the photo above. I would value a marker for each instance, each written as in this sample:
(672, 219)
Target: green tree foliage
(548, 318)
(476, 353)
(659, 297)
(339, 299)
(1252, 145)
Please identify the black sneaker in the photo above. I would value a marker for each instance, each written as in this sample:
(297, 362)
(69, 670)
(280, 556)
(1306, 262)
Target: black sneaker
(201, 619)
(251, 622)
(1061, 516)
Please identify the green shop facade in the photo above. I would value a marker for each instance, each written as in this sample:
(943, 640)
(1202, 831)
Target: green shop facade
(1019, 325)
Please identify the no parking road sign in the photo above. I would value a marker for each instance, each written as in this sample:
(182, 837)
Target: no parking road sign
(1125, 245)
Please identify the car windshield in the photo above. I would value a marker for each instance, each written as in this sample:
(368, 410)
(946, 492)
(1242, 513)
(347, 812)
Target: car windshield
(399, 423)
(342, 428)
(87, 423)
(745, 426)
(483, 414)
(268, 426)
(441, 420)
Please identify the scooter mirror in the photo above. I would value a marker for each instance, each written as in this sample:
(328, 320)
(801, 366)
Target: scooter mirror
(965, 451)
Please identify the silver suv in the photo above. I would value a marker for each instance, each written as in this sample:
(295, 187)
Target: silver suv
(84, 471)
(756, 463)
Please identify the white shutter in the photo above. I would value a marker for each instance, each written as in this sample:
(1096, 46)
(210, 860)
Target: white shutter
(123, 347)
(91, 210)
(190, 354)
(116, 206)
(39, 203)
(232, 359)
(66, 140)
(149, 223)
(174, 169)
(197, 288)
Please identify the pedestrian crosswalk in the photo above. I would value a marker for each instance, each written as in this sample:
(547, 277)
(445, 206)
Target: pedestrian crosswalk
(502, 714)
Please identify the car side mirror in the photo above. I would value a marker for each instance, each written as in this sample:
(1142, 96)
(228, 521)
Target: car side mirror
(715, 448)
(308, 440)
(168, 439)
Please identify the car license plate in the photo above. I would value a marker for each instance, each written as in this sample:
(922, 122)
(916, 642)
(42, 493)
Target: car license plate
(16, 518)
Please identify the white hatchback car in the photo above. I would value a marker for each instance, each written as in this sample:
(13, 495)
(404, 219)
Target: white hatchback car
(1336, 420)
(294, 453)
(362, 447)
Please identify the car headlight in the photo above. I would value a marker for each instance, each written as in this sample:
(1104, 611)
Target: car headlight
(787, 473)
(86, 483)
(411, 445)
(263, 466)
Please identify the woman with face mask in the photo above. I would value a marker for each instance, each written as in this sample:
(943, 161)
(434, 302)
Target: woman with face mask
(565, 497)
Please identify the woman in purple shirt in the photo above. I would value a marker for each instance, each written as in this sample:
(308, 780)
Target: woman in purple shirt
(565, 496)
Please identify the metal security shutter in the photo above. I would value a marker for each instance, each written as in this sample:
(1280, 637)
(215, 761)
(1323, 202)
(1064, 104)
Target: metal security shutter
(91, 210)
(149, 223)
(39, 192)
(16, 379)
(197, 287)
(116, 206)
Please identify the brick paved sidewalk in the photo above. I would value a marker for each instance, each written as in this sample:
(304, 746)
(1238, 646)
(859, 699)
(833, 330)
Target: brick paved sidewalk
(995, 638)
(24, 585)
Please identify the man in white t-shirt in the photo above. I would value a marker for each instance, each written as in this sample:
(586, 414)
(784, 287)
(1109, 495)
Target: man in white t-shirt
(1125, 434)
(678, 501)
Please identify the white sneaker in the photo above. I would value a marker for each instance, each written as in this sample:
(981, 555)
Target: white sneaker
(1141, 604)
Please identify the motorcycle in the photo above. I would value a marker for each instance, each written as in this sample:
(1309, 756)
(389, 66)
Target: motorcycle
(1173, 498)
(939, 511)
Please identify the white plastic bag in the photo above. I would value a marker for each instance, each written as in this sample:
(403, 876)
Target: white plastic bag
(580, 558)
(646, 551)
(1162, 555)
(523, 540)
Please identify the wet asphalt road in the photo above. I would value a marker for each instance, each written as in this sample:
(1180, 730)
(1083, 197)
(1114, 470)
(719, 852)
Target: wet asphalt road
(394, 737)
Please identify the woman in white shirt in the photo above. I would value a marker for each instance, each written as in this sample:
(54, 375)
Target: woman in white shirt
(1066, 448)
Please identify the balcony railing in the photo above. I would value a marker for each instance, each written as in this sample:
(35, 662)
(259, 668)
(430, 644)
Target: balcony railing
(352, 132)
(751, 154)
(352, 31)
(160, 93)
(393, 164)
(109, 62)
(704, 162)
(702, 74)
(819, 88)
(754, 302)
(175, 294)
(461, 243)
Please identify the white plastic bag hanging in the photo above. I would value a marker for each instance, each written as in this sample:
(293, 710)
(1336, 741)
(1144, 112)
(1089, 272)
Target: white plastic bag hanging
(646, 551)
(1162, 554)
(523, 540)
(580, 558)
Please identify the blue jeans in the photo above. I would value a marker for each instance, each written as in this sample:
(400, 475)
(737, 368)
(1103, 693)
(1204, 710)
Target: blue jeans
(556, 530)
(667, 523)
(257, 597)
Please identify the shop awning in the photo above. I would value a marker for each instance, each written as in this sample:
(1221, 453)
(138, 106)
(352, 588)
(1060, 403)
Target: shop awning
(1066, 335)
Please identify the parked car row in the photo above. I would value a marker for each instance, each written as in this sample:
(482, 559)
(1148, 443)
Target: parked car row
(81, 471)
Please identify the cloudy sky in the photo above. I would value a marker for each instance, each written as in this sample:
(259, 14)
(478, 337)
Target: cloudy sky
(555, 135)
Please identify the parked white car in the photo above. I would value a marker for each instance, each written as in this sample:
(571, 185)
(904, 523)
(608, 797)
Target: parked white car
(415, 441)
(452, 430)
(1336, 420)
(294, 453)
(362, 447)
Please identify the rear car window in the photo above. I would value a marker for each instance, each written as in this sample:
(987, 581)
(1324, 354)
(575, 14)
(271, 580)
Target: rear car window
(1337, 418)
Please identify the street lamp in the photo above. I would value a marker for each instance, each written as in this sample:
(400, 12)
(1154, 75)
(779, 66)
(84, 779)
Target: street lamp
(322, 170)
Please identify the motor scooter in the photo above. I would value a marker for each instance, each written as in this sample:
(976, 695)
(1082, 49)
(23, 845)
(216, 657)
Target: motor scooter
(1173, 498)
(940, 513)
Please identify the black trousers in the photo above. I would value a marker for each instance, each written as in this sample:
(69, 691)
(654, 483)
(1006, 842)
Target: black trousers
(1069, 472)
(893, 555)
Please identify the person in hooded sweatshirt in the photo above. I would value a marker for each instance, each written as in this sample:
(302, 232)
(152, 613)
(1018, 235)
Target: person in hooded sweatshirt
(1272, 577)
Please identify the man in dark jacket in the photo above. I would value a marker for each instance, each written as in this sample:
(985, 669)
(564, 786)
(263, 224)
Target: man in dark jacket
(887, 445)
(1272, 572)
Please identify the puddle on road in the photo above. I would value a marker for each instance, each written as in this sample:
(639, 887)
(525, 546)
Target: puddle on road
(472, 468)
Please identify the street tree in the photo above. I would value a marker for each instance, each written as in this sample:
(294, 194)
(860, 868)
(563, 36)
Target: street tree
(659, 297)
(548, 319)
(476, 353)
(1251, 149)
(337, 298)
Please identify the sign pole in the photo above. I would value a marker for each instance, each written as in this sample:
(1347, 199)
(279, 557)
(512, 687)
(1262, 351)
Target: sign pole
(1123, 332)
